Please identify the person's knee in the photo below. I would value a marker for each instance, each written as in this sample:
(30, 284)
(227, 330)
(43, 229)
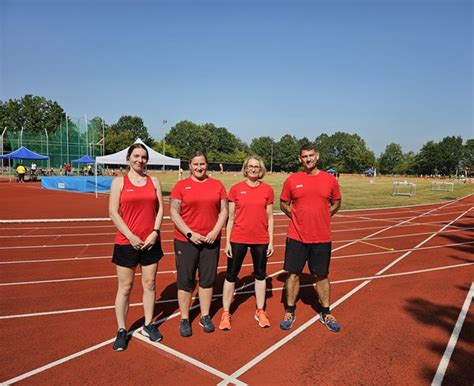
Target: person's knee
(318, 278)
(125, 288)
(186, 285)
(293, 277)
(207, 282)
(231, 276)
(148, 284)
(260, 275)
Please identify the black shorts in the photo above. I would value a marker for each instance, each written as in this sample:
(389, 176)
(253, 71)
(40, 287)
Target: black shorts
(127, 256)
(318, 256)
(191, 258)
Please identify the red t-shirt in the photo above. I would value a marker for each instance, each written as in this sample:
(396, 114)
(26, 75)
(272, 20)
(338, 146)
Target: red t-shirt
(138, 208)
(251, 218)
(200, 204)
(310, 197)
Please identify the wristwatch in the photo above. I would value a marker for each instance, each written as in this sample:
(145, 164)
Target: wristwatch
(157, 231)
(189, 235)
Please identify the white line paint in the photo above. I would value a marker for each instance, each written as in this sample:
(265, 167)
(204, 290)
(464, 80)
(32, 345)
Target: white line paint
(187, 358)
(310, 322)
(239, 292)
(221, 267)
(443, 365)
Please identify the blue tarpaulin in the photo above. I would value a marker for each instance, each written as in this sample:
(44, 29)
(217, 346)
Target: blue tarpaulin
(78, 184)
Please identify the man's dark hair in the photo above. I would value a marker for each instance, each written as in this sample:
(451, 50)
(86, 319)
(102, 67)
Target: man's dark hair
(308, 146)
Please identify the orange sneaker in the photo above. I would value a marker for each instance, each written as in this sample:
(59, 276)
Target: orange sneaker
(261, 318)
(225, 321)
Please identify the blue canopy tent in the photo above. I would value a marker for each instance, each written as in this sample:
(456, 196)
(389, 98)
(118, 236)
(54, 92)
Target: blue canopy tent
(84, 159)
(22, 153)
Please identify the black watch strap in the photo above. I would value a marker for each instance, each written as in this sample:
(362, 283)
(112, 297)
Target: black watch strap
(189, 235)
(156, 230)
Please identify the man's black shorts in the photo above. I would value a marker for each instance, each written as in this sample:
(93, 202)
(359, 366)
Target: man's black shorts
(318, 256)
(127, 256)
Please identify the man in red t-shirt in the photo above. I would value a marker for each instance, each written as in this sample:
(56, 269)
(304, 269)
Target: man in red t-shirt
(309, 198)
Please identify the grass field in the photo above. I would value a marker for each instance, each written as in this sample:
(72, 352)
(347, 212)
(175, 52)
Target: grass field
(357, 191)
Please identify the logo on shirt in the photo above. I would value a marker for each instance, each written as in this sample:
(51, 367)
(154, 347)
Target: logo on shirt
(243, 192)
(129, 190)
(299, 186)
(187, 188)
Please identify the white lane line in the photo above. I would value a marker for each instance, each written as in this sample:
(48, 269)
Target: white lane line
(302, 328)
(100, 345)
(239, 292)
(58, 362)
(221, 267)
(187, 358)
(443, 365)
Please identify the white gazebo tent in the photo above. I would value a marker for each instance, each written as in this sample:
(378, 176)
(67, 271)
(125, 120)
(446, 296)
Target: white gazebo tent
(120, 158)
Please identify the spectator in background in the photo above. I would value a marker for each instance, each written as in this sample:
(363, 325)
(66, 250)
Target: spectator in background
(21, 171)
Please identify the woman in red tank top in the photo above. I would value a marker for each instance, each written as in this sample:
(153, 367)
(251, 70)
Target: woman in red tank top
(136, 209)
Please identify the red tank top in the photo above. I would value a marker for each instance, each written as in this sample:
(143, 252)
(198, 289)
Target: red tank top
(138, 208)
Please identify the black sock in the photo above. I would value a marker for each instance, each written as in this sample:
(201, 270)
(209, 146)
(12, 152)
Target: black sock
(290, 309)
(325, 310)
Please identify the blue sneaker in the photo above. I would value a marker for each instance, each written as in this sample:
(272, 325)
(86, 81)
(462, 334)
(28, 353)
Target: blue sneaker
(206, 323)
(185, 328)
(152, 332)
(288, 321)
(330, 322)
(120, 343)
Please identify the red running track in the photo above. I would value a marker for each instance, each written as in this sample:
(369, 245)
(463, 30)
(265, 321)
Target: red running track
(400, 279)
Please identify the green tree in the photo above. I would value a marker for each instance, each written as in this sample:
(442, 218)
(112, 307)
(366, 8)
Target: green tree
(391, 159)
(344, 152)
(124, 132)
(427, 161)
(265, 148)
(468, 156)
(286, 153)
(451, 155)
(406, 165)
(33, 113)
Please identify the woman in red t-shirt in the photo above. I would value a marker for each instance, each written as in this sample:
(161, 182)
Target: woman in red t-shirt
(250, 225)
(136, 209)
(198, 209)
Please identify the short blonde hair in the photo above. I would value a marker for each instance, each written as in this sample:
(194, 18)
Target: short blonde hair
(263, 169)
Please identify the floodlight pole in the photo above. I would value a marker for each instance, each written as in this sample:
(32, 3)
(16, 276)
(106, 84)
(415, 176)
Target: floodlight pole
(103, 137)
(21, 136)
(67, 140)
(47, 148)
(1, 140)
(164, 141)
(271, 159)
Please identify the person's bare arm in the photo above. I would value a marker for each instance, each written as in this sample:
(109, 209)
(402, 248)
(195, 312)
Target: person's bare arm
(285, 207)
(221, 219)
(228, 229)
(270, 248)
(175, 214)
(335, 206)
(153, 236)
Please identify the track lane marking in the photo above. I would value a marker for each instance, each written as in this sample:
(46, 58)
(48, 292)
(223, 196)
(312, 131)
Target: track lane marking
(443, 365)
(238, 292)
(310, 322)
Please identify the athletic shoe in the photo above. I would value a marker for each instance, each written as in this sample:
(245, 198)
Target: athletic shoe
(225, 321)
(152, 332)
(288, 321)
(206, 323)
(330, 322)
(185, 328)
(120, 343)
(262, 319)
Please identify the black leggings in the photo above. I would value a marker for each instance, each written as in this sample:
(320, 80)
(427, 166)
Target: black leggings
(259, 258)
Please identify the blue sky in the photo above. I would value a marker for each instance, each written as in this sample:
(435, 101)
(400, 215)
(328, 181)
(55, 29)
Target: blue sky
(390, 71)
